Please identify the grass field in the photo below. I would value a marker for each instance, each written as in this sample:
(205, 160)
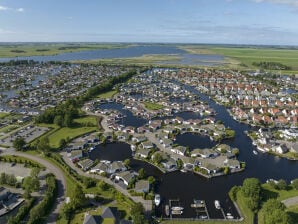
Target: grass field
(248, 55)
(3, 115)
(14, 50)
(153, 106)
(71, 133)
(148, 59)
(108, 94)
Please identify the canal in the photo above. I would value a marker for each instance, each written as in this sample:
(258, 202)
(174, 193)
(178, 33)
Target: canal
(188, 186)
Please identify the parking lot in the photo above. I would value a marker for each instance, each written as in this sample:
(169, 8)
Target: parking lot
(29, 133)
(16, 169)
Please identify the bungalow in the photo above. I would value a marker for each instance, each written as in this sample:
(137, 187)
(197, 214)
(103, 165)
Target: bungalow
(85, 164)
(100, 168)
(75, 155)
(223, 148)
(188, 162)
(210, 168)
(125, 176)
(123, 136)
(280, 149)
(204, 153)
(138, 139)
(110, 215)
(169, 130)
(116, 166)
(294, 148)
(147, 145)
(142, 186)
(143, 153)
(232, 163)
(166, 142)
(180, 150)
(169, 164)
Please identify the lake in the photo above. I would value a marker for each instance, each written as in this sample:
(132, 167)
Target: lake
(128, 52)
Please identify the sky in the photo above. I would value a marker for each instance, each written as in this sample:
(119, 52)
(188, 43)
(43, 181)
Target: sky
(269, 22)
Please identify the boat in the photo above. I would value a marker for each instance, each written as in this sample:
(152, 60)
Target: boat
(198, 203)
(229, 216)
(167, 210)
(183, 170)
(157, 199)
(217, 204)
(177, 208)
(255, 152)
(174, 212)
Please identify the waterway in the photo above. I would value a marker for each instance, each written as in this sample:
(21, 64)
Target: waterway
(193, 141)
(132, 51)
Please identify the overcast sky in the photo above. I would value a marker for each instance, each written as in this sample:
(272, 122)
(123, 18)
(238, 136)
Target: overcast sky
(183, 21)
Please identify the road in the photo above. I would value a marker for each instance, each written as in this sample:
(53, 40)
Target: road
(290, 201)
(60, 181)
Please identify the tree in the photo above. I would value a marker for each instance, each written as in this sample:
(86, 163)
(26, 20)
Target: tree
(281, 184)
(43, 144)
(137, 213)
(67, 121)
(77, 197)
(127, 163)
(179, 164)
(19, 143)
(295, 184)
(35, 172)
(251, 189)
(58, 120)
(274, 212)
(102, 185)
(62, 143)
(142, 173)
(233, 193)
(157, 158)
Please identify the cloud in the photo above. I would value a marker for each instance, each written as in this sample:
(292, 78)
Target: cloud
(284, 2)
(3, 8)
(20, 10)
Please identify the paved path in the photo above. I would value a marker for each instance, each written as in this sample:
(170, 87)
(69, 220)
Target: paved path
(146, 203)
(60, 181)
(290, 201)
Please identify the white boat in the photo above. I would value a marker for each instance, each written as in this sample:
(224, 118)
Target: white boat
(174, 212)
(157, 200)
(177, 208)
(167, 210)
(217, 204)
(255, 152)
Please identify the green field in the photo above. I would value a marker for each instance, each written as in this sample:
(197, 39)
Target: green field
(148, 59)
(108, 94)
(17, 50)
(153, 106)
(3, 115)
(240, 57)
(71, 133)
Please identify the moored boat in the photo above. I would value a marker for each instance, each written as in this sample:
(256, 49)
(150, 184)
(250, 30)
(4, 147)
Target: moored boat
(177, 208)
(167, 210)
(157, 199)
(217, 204)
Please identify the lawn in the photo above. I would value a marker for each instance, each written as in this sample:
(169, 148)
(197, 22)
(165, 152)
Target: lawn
(71, 133)
(9, 128)
(153, 106)
(3, 114)
(108, 94)
(86, 121)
